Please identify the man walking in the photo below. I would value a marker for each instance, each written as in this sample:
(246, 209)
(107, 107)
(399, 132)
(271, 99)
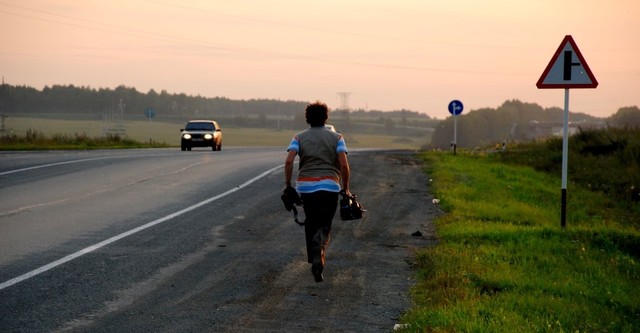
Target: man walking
(323, 168)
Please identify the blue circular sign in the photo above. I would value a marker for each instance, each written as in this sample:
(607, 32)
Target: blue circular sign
(150, 112)
(455, 107)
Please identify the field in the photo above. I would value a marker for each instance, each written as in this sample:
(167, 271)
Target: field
(169, 133)
(504, 264)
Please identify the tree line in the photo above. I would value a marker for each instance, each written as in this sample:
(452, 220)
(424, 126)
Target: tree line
(81, 100)
(126, 103)
(512, 121)
(516, 121)
(86, 101)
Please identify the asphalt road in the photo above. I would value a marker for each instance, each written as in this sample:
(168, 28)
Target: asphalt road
(169, 241)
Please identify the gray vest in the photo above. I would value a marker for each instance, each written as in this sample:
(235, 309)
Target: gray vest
(318, 156)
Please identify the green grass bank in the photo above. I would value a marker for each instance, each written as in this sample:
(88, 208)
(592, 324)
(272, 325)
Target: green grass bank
(504, 264)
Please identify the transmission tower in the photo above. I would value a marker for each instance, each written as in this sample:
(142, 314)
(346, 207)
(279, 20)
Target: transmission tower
(344, 100)
(344, 105)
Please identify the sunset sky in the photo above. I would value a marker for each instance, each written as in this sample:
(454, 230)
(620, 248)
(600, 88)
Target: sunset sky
(387, 54)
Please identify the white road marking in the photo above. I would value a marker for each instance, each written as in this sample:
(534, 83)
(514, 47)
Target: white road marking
(53, 164)
(73, 162)
(129, 233)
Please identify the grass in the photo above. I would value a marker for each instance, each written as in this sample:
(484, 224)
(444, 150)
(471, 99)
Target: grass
(33, 140)
(167, 134)
(503, 264)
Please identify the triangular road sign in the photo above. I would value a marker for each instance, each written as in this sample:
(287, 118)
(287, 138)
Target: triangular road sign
(567, 69)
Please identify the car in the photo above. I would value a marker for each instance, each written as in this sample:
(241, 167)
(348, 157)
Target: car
(201, 133)
(330, 127)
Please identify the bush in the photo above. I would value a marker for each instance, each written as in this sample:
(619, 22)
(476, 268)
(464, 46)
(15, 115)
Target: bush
(604, 160)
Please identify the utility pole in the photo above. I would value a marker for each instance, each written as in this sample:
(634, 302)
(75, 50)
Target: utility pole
(3, 113)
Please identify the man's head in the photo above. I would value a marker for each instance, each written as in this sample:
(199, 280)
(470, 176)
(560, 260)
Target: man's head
(316, 114)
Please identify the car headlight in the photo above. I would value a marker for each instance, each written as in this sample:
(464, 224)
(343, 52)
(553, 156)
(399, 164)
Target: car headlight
(208, 136)
(186, 136)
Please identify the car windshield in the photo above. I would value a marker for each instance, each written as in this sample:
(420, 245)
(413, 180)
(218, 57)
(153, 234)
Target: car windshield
(200, 127)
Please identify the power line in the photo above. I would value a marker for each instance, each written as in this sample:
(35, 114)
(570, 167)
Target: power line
(138, 33)
(338, 32)
(108, 28)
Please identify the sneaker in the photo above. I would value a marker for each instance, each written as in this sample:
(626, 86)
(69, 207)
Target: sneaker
(316, 269)
(318, 265)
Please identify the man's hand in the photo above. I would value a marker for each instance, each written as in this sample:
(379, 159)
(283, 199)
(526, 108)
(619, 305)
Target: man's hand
(288, 168)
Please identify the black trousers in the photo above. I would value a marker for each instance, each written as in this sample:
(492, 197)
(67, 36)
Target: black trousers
(319, 209)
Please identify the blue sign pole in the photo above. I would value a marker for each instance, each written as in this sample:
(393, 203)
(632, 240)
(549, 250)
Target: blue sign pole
(455, 108)
(150, 113)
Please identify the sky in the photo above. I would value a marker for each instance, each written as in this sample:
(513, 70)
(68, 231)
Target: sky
(363, 54)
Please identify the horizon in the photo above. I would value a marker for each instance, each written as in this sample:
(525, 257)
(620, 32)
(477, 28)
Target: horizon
(330, 109)
(380, 54)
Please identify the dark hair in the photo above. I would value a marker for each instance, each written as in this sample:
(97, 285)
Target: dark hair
(316, 114)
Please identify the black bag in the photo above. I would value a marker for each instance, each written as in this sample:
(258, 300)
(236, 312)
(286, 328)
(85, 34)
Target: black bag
(350, 208)
(291, 199)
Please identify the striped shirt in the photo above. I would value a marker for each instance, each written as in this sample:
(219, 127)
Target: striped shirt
(318, 149)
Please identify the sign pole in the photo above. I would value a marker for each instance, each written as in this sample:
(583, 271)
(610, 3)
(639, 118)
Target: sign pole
(150, 113)
(567, 69)
(455, 133)
(455, 108)
(565, 160)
